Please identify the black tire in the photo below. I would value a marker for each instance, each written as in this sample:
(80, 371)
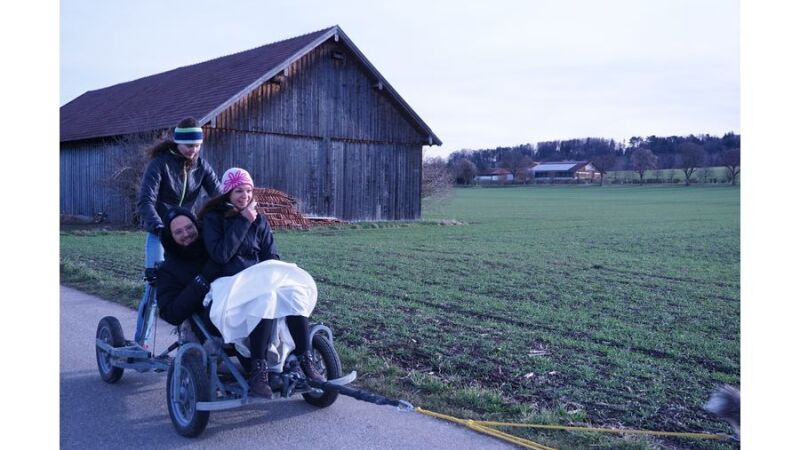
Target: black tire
(328, 365)
(109, 331)
(194, 387)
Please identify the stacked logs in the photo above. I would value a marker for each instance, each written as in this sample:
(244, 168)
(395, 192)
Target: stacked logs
(281, 210)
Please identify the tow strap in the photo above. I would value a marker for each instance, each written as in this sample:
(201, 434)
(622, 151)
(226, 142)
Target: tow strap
(363, 395)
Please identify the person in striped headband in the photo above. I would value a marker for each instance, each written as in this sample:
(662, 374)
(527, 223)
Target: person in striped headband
(174, 177)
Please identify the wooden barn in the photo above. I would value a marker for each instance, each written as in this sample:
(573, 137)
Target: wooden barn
(309, 116)
(564, 171)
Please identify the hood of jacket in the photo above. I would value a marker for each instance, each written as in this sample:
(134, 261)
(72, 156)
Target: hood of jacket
(194, 251)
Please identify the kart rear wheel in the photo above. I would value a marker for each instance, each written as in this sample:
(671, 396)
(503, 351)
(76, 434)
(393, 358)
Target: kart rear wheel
(192, 387)
(109, 331)
(327, 362)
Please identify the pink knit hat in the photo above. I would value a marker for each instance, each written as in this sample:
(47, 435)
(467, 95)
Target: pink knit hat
(234, 177)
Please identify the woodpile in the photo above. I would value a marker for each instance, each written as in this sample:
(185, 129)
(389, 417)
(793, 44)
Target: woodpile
(281, 210)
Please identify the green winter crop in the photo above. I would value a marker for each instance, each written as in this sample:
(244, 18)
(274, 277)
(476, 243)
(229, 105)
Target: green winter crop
(614, 306)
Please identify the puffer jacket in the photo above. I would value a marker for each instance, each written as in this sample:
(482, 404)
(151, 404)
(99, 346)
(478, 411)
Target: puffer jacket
(235, 243)
(178, 291)
(182, 283)
(163, 187)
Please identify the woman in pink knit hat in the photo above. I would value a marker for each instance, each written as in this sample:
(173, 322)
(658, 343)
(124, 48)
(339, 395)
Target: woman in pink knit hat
(237, 237)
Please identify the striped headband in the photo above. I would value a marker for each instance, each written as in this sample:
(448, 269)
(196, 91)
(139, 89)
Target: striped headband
(188, 136)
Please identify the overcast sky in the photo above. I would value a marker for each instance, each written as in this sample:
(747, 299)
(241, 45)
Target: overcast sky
(480, 74)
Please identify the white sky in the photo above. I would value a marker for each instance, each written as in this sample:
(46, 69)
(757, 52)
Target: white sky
(480, 74)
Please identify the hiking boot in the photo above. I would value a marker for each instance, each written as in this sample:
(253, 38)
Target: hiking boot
(310, 369)
(259, 379)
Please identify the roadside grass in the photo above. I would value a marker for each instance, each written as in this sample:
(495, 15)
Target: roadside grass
(613, 306)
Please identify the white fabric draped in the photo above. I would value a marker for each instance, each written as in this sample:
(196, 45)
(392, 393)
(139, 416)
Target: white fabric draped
(271, 289)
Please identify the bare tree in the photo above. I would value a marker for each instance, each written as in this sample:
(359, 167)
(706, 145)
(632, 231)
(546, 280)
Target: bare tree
(692, 157)
(127, 169)
(731, 160)
(464, 171)
(436, 180)
(517, 163)
(643, 160)
(603, 164)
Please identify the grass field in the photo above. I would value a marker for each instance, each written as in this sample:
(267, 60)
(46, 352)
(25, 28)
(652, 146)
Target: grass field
(615, 306)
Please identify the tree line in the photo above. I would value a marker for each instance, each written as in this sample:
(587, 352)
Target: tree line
(640, 154)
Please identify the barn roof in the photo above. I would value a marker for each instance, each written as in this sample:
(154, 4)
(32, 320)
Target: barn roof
(559, 166)
(200, 90)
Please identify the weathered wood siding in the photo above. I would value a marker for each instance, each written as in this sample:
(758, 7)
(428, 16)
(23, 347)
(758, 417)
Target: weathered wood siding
(325, 135)
(85, 179)
(352, 181)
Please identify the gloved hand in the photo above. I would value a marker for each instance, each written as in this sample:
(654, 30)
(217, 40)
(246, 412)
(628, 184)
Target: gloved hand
(211, 270)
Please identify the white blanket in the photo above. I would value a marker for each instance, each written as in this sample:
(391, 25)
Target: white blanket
(268, 290)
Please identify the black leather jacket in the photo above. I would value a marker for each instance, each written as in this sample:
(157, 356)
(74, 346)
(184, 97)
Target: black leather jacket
(234, 242)
(163, 186)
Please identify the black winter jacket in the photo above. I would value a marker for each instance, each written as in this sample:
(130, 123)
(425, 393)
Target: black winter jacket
(178, 290)
(184, 276)
(235, 243)
(163, 185)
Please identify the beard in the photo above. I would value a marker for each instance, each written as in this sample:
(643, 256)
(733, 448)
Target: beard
(193, 251)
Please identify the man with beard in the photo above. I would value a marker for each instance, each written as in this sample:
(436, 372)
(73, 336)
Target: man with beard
(187, 272)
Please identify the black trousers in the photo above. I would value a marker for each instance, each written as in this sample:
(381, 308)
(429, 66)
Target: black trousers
(261, 336)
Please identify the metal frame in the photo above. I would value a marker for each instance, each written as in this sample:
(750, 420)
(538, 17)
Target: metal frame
(223, 394)
(233, 394)
(134, 355)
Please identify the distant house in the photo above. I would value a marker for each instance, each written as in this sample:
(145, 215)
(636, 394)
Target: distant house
(309, 116)
(564, 171)
(495, 175)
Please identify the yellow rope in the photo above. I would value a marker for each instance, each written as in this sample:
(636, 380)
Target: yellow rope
(608, 430)
(477, 426)
(483, 426)
(527, 443)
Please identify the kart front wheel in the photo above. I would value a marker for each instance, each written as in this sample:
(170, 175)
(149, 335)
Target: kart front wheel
(185, 388)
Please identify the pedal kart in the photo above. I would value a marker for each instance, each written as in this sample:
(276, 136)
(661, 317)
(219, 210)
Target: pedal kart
(208, 377)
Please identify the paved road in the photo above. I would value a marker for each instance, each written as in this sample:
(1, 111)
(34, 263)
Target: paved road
(133, 412)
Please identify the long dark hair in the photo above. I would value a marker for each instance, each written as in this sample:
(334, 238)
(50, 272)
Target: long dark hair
(215, 203)
(167, 144)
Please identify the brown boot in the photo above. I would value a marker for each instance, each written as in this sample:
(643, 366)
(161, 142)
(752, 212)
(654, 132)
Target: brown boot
(310, 369)
(259, 379)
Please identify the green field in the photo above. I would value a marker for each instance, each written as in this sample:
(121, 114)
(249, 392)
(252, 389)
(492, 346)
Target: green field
(615, 306)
